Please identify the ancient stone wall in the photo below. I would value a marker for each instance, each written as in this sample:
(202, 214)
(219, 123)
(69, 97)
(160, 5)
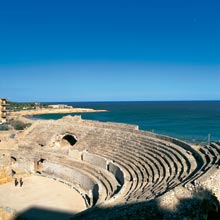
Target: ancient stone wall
(94, 159)
(110, 163)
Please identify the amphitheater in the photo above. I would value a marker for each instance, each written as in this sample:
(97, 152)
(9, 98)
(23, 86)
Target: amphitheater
(119, 171)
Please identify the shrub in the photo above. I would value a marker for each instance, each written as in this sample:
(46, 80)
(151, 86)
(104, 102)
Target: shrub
(3, 127)
(19, 125)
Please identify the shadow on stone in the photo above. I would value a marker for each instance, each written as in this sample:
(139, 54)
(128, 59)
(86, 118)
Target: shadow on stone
(36, 213)
(203, 205)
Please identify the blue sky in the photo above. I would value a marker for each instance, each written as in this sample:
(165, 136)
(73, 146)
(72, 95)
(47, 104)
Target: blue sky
(109, 50)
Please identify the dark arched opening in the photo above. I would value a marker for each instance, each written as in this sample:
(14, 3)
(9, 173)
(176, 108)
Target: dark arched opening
(39, 165)
(13, 160)
(68, 140)
(41, 160)
(95, 193)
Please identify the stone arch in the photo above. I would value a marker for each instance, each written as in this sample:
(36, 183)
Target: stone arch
(68, 140)
(39, 165)
(41, 160)
(13, 160)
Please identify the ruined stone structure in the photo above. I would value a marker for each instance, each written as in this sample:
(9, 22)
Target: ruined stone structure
(3, 110)
(111, 164)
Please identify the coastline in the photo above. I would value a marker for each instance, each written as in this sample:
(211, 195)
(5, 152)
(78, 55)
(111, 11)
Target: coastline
(53, 111)
(188, 121)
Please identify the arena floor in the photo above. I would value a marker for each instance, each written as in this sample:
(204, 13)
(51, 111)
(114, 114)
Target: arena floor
(41, 198)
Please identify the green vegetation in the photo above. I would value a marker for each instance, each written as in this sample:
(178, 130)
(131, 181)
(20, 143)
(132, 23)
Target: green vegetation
(4, 127)
(17, 124)
(18, 106)
(14, 124)
(15, 106)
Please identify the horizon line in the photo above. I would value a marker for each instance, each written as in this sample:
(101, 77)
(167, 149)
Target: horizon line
(196, 100)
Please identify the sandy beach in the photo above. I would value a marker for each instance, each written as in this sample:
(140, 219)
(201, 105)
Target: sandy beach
(53, 111)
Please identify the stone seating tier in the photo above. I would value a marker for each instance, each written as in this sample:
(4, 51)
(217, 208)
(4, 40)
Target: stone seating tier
(86, 176)
(127, 144)
(126, 160)
(194, 164)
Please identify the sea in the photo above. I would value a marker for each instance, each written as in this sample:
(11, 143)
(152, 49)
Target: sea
(191, 121)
